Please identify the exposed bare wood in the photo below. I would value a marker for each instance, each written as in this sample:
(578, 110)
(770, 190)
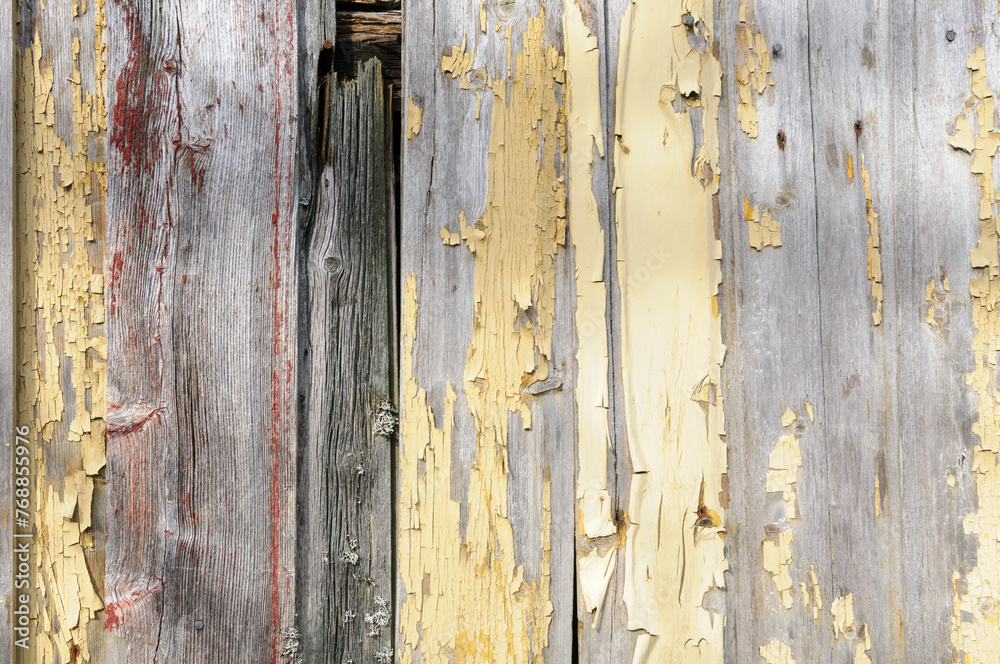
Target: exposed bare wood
(202, 307)
(345, 483)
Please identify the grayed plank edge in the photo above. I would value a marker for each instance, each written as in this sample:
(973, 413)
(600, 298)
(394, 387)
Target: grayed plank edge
(345, 491)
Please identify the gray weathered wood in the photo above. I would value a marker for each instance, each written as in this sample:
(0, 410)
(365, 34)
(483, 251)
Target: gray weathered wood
(770, 308)
(445, 173)
(345, 482)
(6, 317)
(203, 335)
(854, 110)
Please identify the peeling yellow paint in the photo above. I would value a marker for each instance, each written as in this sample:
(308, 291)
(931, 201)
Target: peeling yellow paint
(842, 610)
(450, 239)
(596, 572)
(777, 556)
(874, 247)
(809, 411)
(583, 123)
(813, 600)
(765, 230)
(482, 18)
(975, 630)
(458, 62)
(776, 652)
(466, 597)
(61, 354)
(850, 167)
(783, 465)
(753, 68)
(672, 348)
(878, 497)
(414, 117)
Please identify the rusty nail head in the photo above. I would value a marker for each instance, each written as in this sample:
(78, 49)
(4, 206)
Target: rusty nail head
(950, 35)
(199, 625)
(776, 49)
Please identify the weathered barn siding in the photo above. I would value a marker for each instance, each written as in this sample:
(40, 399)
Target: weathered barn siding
(694, 361)
(6, 317)
(203, 334)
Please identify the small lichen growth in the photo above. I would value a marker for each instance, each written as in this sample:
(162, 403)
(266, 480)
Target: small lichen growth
(349, 616)
(291, 646)
(385, 419)
(380, 618)
(350, 555)
(383, 656)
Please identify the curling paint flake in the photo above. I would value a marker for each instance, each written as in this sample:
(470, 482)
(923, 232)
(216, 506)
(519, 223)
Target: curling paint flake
(583, 125)
(753, 68)
(672, 349)
(764, 230)
(776, 652)
(783, 465)
(414, 117)
(62, 391)
(466, 598)
(975, 632)
(777, 556)
(874, 247)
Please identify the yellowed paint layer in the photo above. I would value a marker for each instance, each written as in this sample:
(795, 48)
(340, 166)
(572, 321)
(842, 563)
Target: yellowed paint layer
(812, 596)
(414, 117)
(874, 247)
(776, 652)
(753, 68)
(975, 630)
(467, 598)
(764, 230)
(596, 572)
(777, 556)
(783, 465)
(61, 353)
(672, 348)
(583, 124)
(850, 167)
(458, 62)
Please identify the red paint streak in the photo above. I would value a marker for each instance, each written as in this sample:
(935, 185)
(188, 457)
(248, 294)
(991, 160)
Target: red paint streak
(139, 91)
(114, 274)
(116, 612)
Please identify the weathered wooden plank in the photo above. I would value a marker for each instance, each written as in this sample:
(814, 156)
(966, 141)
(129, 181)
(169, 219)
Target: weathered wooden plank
(7, 227)
(61, 394)
(486, 475)
(202, 308)
(770, 308)
(345, 486)
(853, 108)
(936, 208)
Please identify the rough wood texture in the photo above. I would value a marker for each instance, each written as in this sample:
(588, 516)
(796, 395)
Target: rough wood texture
(202, 308)
(447, 177)
(362, 35)
(6, 317)
(345, 569)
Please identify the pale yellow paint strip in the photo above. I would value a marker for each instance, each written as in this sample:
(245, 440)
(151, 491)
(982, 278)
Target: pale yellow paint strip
(583, 124)
(783, 466)
(777, 556)
(672, 348)
(61, 352)
(596, 572)
(467, 598)
(975, 630)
